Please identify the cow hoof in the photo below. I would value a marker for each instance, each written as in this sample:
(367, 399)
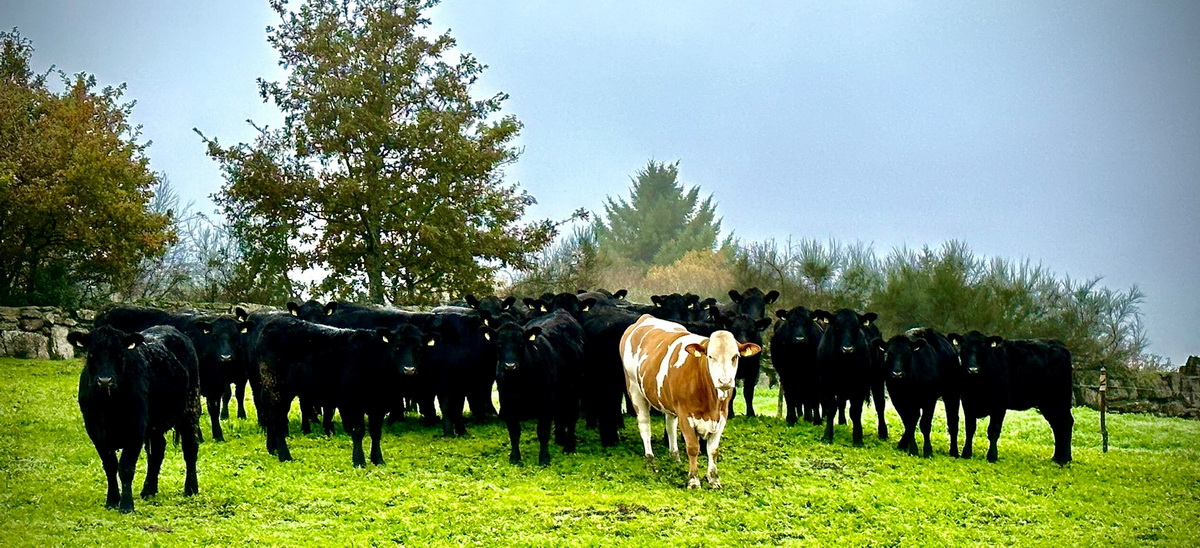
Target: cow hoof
(966, 454)
(191, 489)
(359, 464)
(954, 453)
(514, 459)
(693, 482)
(378, 461)
(714, 482)
(992, 458)
(544, 461)
(651, 464)
(146, 493)
(112, 502)
(218, 438)
(126, 508)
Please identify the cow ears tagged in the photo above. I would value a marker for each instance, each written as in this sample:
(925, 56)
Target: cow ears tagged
(507, 302)
(879, 344)
(245, 327)
(293, 308)
(735, 296)
(918, 345)
(79, 338)
(432, 339)
(532, 333)
(955, 339)
(620, 294)
(133, 339)
(240, 314)
(781, 314)
(488, 333)
(822, 318)
(748, 349)
(587, 304)
(771, 297)
(384, 335)
(205, 326)
(330, 308)
(472, 301)
(656, 299)
(994, 341)
(696, 350)
(867, 318)
(762, 323)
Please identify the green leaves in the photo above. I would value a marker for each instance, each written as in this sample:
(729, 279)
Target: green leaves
(387, 173)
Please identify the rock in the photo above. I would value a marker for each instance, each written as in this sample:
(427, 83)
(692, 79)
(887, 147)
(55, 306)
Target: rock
(18, 344)
(86, 315)
(60, 349)
(67, 322)
(31, 312)
(32, 324)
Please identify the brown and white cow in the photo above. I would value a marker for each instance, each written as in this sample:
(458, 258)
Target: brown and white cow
(686, 376)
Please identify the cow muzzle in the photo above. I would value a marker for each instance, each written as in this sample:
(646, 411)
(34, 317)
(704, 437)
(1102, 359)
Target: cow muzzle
(973, 370)
(104, 382)
(725, 383)
(897, 374)
(226, 358)
(510, 366)
(801, 339)
(847, 350)
(410, 371)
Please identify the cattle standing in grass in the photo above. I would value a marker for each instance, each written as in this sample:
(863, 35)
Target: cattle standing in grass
(880, 374)
(920, 367)
(688, 377)
(794, 354)
(603, 376)
(537, 373)
(998, 375)
(844, 366)
(134, 388)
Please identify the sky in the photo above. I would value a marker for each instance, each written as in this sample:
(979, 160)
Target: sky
(1066, 133)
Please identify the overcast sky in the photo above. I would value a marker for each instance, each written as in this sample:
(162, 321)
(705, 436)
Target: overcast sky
(1063, 132)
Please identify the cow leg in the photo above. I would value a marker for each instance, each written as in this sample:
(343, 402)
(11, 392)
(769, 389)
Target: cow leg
(966, 452)
(827, 405)
(841, 411)
(307, 415)
(672, 434)
(994, 426)
(109, 460)
(280, 421)
(909, 419)
(714, 442)
(790, 407)
(240, 392)
(327, 420)
(693, 450)
(544, 424)
(188, 428)
(927, 427)
(1062, 423)
(565, 421)
(375, 426)
(952, 423)
(748, 395)
(880, 409)
(608, 414)
(156, 445)
(226, 396)
(514, 440)
(125, 469)
(856, 406)
(352, 421)
(214, 415)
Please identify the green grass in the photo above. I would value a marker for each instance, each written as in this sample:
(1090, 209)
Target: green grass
(781, 486)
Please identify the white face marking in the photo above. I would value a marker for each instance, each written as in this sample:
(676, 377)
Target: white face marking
(722, 362)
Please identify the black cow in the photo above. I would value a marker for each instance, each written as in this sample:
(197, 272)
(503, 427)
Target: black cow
(794, 354)
(216, 340)
(752, 303)
(386, 360)
(538, 378)
(844, 367)
(673, 307)
(602, 370)
(880, 374)
(998, 375)
(744, 329)
(920, 365)
(135, 387)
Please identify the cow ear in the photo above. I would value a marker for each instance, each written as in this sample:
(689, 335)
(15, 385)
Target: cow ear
(507, 302)
(587, 303)
(205, 326)
(870, 317)
(781, 314)
(695, 350)
(532, 333)
(240, 314)
(918, 345)
(735, 296)
(486, 317)
(994, 341)
(955, 339)
(330, 308)
(384, 335)
(692, 299)
(656, 299)
(431, 339)
(762, 323)
(620, 294)
(530, 302)
(293, 308)
(748, 349)
(580, 291)
(879, 344)
(487, 332)
(771, 297)
(79, 338)
(472, 301)
(245, 327)
(133, 339)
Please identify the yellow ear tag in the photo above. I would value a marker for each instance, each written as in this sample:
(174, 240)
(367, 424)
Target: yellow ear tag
(487, 336)
(995, 344)
(132, 345)
(585, 309)
(433, 342)
(384, 337)
(544, 309)
(747, 353)
(294, 313)
(533, 337)
(954, 342)
(697, 353)
(244, 330)
(328, 312)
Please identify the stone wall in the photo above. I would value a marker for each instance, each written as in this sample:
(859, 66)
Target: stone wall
(40, 332)
(1174, 394)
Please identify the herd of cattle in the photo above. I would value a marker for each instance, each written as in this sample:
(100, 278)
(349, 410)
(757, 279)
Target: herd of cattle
(551, 359)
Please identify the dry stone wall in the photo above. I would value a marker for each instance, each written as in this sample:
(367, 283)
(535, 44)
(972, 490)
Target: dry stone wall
(40, 332)
(1174, 394)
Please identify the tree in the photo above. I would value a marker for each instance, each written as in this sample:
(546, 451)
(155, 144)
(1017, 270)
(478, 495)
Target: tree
(386, 172)
(74, 186)
(660, 222)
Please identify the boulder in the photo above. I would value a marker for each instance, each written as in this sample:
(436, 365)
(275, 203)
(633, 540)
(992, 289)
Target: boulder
(60, 349)
(32, 324)
(18, 344)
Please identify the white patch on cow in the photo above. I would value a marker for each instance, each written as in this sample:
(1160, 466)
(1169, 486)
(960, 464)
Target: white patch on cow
(664, 325)
(705, 427)
(722, 394)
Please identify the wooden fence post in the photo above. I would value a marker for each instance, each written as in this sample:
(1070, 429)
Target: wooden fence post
(1104, 405)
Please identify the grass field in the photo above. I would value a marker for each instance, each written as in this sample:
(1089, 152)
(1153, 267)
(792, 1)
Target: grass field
(781, 486)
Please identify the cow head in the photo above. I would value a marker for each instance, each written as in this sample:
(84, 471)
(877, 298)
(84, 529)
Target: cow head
(798, 326)
(491, 305)
(720, 353)
(673, 307)
(978, 354)
(112, 355)
(515, 346)
(404, 347)
(311, 310)
(847, 332)
(537, 307)
(216, 341)
(743, 327)
(899, 353)
(753, 302)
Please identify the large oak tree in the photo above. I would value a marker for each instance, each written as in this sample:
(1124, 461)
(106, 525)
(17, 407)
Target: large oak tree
(386, 173)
